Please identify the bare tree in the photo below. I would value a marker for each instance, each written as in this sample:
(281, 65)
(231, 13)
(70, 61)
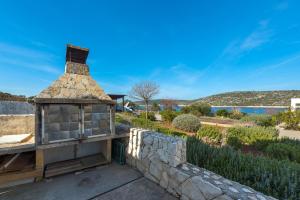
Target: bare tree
(144, 91)
(168, 103)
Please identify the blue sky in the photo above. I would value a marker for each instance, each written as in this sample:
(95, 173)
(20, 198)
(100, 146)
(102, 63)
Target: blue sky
(190, 48)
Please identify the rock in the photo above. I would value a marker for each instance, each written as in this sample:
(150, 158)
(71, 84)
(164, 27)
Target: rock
(246, 190)
(223, 197)
(260, 197)
(164, 180)
(190, 190)
(232, 189)
(148, 140)
(155, 169)
(208, 190)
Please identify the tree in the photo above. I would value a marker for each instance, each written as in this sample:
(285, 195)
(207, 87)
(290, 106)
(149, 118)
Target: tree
(168, 104)
(155, 107)
(144, 91)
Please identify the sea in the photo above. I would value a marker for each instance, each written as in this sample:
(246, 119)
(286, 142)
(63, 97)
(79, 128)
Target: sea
(251, 110)
(244, 109)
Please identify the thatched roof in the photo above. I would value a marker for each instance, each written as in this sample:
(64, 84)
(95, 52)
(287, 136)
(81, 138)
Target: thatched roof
(75, 86)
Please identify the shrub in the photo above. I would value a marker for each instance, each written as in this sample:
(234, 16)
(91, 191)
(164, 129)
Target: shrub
(234, 142)
(121, 120)
(198, 109)
(284, 149)
(291, 119)
(168, 131)
(143, 123)
(256, 135)
(168, 115)
(277, 178)
(187, 122)
(236, 114)
(260, 120)
(151, 116)
(222, 113)
(212, 133)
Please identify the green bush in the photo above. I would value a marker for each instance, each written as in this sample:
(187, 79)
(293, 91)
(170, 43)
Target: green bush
(234, 142)
(121, 120)
(213, 133)
(257, 135)
(198, 109)
(151, 116)
(222, 113)
(187, 122)
(260, 120)
(276, 178)
(143, 123)
(168, 131)
(236, 114)
(284, 148)
(168, 115)
(291, 119)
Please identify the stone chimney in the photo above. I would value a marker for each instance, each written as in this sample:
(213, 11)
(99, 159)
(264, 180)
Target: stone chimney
(76, 60)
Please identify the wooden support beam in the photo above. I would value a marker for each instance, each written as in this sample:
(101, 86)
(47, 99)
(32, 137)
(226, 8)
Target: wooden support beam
(21, 175)
(108, 150)
(40, 163)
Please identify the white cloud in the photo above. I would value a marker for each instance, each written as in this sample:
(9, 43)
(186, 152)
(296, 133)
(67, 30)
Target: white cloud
(18, 56)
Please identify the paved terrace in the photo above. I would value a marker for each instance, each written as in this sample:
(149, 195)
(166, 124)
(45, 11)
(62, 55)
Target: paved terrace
(101, 183)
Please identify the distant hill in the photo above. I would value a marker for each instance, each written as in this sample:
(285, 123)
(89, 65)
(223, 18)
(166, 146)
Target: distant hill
(252, 98)
(10, 97)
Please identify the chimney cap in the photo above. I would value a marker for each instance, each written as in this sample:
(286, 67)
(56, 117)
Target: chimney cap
(76, 54)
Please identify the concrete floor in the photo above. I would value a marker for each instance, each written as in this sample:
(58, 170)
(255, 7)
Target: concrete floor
(102, 183)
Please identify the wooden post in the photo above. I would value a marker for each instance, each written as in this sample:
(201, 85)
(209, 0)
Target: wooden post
(39, 163)
(44, 135)
(108, 150)
(112, 120)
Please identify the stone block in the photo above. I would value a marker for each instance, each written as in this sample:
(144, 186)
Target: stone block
(54, 118)
(74, 134)
(190, 190)
(155, 169)
(64, 134)
(87, 124)
(52, 127)
(73, 126)
(164, 181)
(65, 126)
(88, 109)
(74, 117)
(100, 108)
(223, 197)
(53, 109)
(87, 116)
(209, 190)
(88, 132)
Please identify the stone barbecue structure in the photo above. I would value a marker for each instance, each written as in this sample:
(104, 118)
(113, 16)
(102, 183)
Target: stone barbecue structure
(162, 159)
(74, 116)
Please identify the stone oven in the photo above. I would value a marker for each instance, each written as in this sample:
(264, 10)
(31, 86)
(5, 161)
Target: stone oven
(74, 117)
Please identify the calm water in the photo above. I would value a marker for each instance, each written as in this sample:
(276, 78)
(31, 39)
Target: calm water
(251, 110)
(248, 110)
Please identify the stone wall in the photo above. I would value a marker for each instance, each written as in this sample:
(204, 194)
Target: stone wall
(16, 124)
(62, 121)
(15, 107)
(162, 159)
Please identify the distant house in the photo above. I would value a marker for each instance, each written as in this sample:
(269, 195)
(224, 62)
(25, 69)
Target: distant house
(295, 104)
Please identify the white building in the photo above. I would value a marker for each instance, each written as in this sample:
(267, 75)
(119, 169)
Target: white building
(295, 104)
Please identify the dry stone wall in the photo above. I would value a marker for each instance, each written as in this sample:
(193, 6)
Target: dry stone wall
(16, 124)
(162, 159)
(15, 108)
